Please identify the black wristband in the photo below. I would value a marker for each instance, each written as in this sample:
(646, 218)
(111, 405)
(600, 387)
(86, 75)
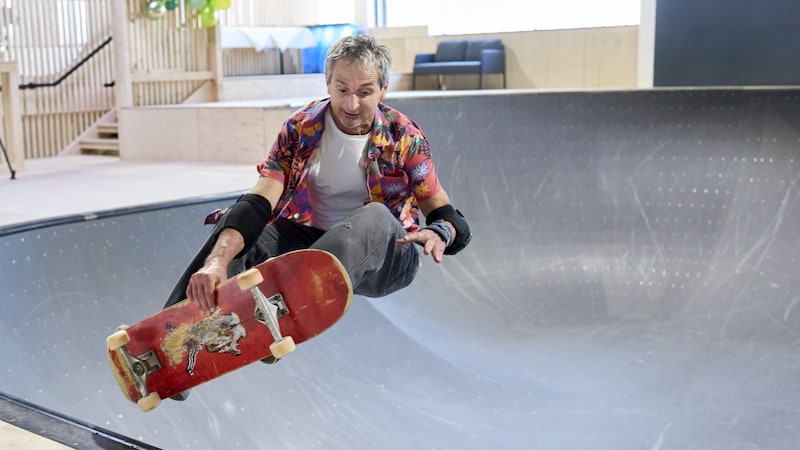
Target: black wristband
(463, 235)
(249, 215)
(440, 228)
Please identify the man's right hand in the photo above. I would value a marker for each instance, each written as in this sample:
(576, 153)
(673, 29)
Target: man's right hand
(202, 287)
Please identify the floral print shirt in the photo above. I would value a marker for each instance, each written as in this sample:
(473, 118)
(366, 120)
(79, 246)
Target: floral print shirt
(399, 168)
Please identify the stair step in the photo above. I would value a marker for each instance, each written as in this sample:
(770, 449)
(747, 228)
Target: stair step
(108, 147)
(108, 130)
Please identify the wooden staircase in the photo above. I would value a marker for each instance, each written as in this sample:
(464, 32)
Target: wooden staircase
(105, 142)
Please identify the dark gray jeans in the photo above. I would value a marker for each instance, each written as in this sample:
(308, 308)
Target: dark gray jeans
(364, 243)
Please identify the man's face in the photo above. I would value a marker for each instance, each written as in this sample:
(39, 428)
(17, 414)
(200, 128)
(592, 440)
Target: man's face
(355, 93)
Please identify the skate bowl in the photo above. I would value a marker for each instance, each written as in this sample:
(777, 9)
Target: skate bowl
(632, 283)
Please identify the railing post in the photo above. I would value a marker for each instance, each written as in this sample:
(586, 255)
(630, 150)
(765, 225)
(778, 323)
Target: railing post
(123, 87)
(11, 131)
(215, 60)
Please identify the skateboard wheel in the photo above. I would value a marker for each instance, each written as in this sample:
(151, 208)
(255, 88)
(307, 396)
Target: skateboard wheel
(283, 347)
(249, 279)
(149, 402)
(117, 340)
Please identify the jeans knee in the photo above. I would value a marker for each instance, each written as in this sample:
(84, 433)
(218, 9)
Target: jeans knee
(376, 211)
(372, 218)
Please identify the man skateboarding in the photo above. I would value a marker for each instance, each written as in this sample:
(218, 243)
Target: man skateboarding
(347, 175)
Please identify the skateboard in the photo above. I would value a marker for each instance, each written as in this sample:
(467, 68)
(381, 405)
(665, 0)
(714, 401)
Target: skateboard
(261, 314)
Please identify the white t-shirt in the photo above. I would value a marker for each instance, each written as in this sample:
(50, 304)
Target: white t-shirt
(337, 180)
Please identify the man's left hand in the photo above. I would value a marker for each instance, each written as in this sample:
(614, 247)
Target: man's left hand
(432, 243)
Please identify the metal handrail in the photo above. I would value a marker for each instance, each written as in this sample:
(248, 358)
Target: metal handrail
(72, 70)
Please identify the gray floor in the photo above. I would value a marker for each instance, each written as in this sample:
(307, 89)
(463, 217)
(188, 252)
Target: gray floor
(79, 184)
(632, 284)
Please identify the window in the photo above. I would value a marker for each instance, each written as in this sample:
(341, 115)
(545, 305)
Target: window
(485, 16)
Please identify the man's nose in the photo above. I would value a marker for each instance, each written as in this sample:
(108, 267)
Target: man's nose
(352, 102)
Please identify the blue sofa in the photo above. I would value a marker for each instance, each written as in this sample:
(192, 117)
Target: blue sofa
(462, 57)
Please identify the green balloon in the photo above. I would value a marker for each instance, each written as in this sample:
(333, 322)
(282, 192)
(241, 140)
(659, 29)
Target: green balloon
(208, 17)
(171, 5)
(196, 5)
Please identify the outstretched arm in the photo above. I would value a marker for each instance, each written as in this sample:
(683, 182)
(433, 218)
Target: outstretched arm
(230, 242)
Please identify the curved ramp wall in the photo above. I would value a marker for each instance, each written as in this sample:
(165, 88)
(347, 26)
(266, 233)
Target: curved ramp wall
(632, 283)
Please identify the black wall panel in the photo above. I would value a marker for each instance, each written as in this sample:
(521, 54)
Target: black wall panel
(727, 43)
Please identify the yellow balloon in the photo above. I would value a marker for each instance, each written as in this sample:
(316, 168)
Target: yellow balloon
(220, 4)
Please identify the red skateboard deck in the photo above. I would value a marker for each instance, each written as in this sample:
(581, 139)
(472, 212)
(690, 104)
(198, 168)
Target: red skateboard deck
(180, 347)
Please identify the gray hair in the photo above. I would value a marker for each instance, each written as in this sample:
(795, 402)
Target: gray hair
(364, 50)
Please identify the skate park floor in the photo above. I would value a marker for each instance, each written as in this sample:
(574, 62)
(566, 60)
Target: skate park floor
(632, 284)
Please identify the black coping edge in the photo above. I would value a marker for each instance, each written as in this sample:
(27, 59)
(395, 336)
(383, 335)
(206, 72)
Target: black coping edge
(76, 218)
(63, 429)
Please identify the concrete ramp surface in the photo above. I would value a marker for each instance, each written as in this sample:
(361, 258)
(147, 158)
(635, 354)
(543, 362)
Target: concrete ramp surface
(632, 283)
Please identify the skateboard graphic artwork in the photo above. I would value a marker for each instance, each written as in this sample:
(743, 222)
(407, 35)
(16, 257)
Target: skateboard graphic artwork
(261, 314)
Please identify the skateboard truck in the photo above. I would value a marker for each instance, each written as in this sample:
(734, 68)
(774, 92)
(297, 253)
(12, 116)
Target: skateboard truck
(140, 366)
(268, 311)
